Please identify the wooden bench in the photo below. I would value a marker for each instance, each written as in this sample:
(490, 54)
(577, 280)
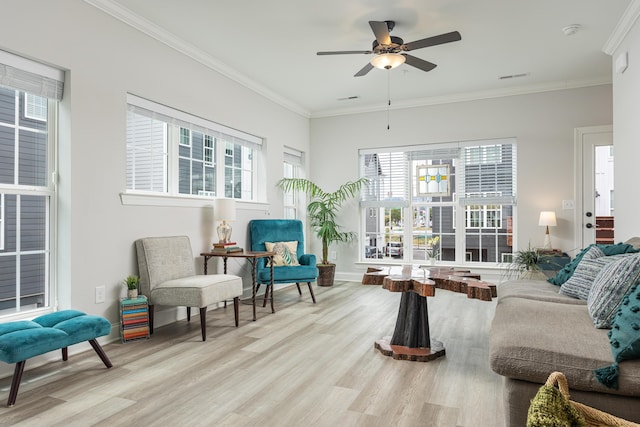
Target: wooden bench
(24, 339)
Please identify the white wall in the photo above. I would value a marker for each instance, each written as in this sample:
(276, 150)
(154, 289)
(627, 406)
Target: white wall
(626, 136)
(106, 59)
(542, 123)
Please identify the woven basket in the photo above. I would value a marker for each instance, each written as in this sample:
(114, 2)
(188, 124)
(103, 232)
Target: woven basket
(592, 416)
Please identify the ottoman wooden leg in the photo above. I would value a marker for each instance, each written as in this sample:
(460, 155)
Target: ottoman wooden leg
(101, 353)
(15, 383)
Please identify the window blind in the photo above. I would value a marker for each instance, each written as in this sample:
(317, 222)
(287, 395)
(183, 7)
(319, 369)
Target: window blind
(292, 156)
(172, 116)
(24, 74)
(389, 172)
(488, 175)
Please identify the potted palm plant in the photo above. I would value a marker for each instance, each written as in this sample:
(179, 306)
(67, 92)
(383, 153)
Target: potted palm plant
(322, 210)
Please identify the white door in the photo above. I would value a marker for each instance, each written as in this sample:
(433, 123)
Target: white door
(594, 161)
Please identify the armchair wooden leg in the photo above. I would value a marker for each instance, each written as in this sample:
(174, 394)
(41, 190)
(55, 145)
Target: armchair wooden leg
(236, 309)
(313, 297)
(65, 353)
(299, 291)
(188, 314)
(203, 322)
(150, 319)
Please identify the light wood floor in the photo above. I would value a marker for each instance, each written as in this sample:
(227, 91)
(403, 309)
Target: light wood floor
(305, 365)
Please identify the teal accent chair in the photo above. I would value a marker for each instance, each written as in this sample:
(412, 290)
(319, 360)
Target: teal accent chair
(282, 230)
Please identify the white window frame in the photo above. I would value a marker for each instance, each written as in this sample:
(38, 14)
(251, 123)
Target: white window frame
(175, 119)
(292, 202)
(489, 153)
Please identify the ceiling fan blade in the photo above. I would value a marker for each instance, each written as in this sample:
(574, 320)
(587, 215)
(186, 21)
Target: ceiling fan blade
(453, 36)
(364, 70)
(381, 30)
(419, 63)
(345, 52)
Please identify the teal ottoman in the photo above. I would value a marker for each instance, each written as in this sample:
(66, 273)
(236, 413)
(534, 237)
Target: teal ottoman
(24, 339)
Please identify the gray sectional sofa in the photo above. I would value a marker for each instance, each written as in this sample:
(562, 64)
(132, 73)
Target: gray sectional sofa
(535, 331)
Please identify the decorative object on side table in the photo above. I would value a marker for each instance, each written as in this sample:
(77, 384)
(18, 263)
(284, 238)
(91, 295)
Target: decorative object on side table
(226, 248)
(322, 212)
(131, 282)
(547, 219)
(224, 210)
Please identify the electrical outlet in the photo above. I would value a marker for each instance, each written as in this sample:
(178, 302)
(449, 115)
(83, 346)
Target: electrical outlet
(333, 256)
(100, 294)
(568, 204)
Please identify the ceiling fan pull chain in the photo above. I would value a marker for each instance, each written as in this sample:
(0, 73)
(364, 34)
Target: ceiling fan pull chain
(388, 97)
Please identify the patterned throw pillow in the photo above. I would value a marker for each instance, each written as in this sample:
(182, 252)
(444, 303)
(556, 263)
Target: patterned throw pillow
(590, 252)
(285, 253)
(624, 337)
(611, 285)
(567, 271)
(580, 283)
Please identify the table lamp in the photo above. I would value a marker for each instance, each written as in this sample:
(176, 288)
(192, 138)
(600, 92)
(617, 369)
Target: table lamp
(547, 219)
(224, 210)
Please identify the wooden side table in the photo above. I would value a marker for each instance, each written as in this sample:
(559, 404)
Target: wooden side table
(253, 258)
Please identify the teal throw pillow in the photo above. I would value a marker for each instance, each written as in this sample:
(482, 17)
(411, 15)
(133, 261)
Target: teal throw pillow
(609, 288)
(624, 337)
(568, 270)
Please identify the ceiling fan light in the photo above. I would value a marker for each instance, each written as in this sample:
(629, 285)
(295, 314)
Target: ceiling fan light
(387, 60)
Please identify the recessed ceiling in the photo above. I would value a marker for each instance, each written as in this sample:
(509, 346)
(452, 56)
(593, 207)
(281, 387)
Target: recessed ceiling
(273, 45)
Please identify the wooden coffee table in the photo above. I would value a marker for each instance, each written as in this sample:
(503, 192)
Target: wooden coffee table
(411, 338)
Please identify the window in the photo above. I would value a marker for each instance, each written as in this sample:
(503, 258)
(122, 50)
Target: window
(28, 118)
(173, 153)
(416, 195)
(292, 169)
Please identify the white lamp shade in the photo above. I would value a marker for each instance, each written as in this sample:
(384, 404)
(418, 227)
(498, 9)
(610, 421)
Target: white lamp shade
(387, 60)
(224, 209)
(548, 219)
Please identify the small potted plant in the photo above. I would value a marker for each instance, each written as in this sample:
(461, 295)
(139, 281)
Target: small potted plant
(526, 264)
(131, 282)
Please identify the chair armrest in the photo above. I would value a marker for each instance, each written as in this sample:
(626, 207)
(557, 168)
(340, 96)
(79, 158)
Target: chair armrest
(307, 259)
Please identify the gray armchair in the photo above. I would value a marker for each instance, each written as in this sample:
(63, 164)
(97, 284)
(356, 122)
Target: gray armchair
(168, 277)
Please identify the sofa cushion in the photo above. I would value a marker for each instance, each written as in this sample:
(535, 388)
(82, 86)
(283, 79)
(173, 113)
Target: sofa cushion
(534, 289)
(610, 286)
(530, 339)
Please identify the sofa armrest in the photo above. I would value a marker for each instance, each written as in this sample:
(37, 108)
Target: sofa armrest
(307, 259)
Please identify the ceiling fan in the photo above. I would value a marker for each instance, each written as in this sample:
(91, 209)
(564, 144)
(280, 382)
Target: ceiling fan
(389, 50)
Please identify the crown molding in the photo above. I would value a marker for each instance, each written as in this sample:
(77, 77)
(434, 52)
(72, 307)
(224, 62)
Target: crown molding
(465, 97)
(160, 34)
(623, 27)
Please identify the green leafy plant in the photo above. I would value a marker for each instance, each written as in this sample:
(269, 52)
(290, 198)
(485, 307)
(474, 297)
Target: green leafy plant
(131, 282)
(323, 208)
(528, 259)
